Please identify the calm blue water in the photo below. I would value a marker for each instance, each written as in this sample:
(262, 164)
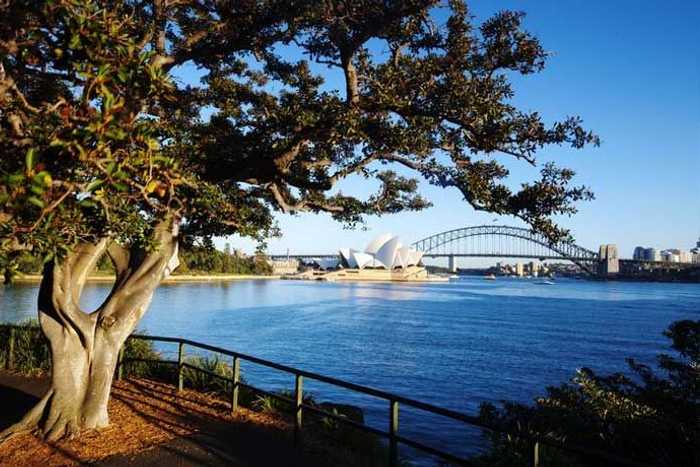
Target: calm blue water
(455, 344)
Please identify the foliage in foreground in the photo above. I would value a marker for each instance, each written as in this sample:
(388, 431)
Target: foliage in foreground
(651, 416)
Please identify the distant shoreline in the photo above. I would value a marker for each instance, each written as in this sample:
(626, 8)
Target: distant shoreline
(36, 278)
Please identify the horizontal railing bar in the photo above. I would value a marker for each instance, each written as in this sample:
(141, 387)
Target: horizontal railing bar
(267, 393)
(147, 360)
(205, 371)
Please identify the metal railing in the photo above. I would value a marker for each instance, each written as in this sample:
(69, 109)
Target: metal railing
(299, 406)
(393, 400)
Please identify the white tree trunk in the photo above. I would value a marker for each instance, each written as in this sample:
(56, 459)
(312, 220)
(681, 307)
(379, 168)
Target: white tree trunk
(84, 346)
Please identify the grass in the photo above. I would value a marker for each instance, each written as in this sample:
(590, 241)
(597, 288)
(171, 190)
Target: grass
(30, 352)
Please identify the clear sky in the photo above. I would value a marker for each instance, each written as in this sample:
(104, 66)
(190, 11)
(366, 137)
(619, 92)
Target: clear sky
(631, 69)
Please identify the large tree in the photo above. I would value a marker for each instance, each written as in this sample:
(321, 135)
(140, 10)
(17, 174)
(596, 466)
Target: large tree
(106, 151)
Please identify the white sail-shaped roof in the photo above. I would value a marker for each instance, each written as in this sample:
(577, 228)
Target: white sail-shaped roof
(404, 257)
(416, 256)
(387, 252)
(346, 256)
(362, 259)
(374, 246)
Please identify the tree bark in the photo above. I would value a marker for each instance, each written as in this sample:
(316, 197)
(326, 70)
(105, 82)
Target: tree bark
(84, 346)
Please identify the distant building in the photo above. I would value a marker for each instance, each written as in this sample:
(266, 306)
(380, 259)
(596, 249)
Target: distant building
(670, 256)
(534, 268)
(695, 252)
(286, 266)
(685, 256)
(652, 254)
(646, 254)
(639, 253)
(519, 269)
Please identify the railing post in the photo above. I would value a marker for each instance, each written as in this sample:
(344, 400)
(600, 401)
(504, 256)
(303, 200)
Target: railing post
(393, 431)
(536, 455)
(236, 381)
(120, 362)
(10, 363)
(298, 400)
(180, 367)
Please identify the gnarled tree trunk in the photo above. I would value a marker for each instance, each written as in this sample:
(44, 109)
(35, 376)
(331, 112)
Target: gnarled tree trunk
(84, 346)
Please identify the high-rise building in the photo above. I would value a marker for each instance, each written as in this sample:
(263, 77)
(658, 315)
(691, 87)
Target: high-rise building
(639, 253)
(685, 256)
(671, 256)
(652, 254)
(696, 255)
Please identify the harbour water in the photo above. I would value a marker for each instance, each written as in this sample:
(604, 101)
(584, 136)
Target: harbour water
(454, 344)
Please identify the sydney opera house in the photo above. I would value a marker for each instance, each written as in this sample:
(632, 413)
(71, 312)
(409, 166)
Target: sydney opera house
(384, 259)
(384, 252)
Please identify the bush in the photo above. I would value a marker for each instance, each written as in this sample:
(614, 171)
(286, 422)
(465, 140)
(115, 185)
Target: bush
(143, 349)
(31, 353)
(648, 417)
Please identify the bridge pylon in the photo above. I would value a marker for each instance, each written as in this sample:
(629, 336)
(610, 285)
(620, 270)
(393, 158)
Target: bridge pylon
(452, 263)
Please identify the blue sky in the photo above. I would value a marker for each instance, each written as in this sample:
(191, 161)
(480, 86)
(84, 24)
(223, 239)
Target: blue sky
(631, 69)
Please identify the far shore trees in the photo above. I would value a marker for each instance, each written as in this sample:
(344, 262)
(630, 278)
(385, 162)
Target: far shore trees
(107, 151)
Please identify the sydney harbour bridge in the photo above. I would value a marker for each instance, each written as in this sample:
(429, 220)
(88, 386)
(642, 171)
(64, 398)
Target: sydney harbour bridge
(494, 241)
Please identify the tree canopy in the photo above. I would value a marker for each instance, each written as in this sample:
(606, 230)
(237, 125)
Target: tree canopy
(101, 137)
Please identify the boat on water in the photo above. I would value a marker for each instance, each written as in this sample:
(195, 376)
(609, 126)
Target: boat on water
(546, 282)
(490, 277)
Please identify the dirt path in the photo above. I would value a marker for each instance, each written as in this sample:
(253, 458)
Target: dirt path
(152, 425)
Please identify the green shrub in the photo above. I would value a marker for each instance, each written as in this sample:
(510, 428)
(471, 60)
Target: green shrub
(648, 415)
(143, 349)
(274, 405)
(31, 353)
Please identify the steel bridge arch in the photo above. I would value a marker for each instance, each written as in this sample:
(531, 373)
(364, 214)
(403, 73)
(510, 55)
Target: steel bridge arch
(579, 255)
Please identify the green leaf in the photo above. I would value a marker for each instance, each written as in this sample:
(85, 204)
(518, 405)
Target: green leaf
(123, 74)
(29, 158)
(36, 202)
(92, 186)
(15, 179)
(74, 41)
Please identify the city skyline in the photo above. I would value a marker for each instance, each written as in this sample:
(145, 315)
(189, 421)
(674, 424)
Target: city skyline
(644, 174)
